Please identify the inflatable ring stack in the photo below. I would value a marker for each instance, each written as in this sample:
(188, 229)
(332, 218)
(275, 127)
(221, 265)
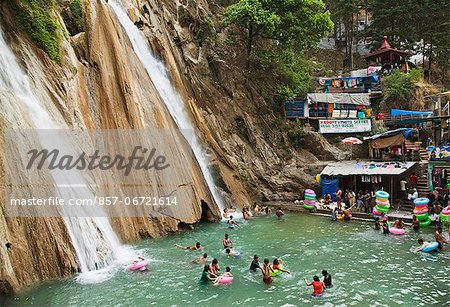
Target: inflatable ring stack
(382, 203)
(310, 199)
(421, 211)
(445, 215)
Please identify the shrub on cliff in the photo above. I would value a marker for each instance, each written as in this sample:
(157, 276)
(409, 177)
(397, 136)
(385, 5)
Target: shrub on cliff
(398, 88)
(36, 18)
(73, 17)
(296, 135)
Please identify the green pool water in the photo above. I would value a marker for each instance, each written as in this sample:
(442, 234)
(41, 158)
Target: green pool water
(368, 268)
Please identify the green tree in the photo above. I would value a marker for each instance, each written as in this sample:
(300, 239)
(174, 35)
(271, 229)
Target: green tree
(344, 13)
(254, 19)
(298, 24)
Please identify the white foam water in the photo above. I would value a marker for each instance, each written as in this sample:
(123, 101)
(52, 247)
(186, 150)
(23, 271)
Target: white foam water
(172, 99)
(95, 243)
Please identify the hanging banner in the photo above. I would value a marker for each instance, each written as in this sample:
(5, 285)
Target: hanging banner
(344, 125)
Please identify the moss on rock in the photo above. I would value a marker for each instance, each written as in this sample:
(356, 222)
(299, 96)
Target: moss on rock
(36, 18)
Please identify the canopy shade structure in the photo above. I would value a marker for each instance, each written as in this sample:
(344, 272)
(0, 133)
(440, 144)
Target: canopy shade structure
(347, 168)
(340, 98)
(397, 112)
(404, 131)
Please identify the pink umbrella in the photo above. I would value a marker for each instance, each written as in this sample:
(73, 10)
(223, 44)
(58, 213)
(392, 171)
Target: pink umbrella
(351, 141)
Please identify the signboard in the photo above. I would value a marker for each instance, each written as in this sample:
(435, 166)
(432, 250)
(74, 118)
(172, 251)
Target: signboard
(344, 125)
(294, 108)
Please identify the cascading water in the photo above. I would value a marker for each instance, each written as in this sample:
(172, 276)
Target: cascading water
(95, 243)
(172, 99)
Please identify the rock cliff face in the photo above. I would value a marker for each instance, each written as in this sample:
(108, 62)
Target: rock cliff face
(101, 84)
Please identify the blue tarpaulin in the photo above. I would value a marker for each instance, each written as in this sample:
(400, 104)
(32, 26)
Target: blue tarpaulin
(397, 112)
(330, 186)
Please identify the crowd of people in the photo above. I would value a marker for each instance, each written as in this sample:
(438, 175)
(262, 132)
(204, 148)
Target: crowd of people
(211, 269)
(211, 272)
(363, 201)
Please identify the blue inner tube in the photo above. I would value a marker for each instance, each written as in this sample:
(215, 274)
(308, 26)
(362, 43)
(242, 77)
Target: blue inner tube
(382, 194)
(421, 201)
(431, 247)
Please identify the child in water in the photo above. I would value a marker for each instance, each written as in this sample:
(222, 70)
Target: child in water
(277, 266)
(201, 259)
(227, 274)
(423, 244)
(232, 253)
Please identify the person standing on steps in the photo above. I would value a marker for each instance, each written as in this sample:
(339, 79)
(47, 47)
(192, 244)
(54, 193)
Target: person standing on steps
(403, 184)
(413, 180)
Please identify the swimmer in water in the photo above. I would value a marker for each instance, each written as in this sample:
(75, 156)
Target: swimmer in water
(214, 268)
(227, 242)
(232, 253)
(206, 278)
(423, 244)
(276, 266)
(415, 223)
(225, 214)
(139, 259)
(440, 238)
(227, 274)
(201, 259)
(196, 247)
(279, 213)
(231, 223)
(318, 286)
(265, 270)
(399, 224)
(255, 264)
(327, 279)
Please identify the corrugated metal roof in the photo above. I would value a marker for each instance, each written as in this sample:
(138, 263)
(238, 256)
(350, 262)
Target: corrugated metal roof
(346, 168)
(340, 98)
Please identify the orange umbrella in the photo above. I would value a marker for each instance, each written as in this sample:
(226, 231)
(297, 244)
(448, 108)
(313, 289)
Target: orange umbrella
(351, 141)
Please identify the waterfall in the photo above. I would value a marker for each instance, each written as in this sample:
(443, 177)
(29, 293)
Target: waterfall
(172, 99)
(95, 243)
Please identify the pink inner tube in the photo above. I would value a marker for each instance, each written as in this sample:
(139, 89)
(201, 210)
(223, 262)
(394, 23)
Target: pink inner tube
(420, 211)
(309, 191)
(421, 205)
(375, 211)
(226, 280)
(396, 231)
(310, 202)
(382, 203)
(138, 265)
(446, 210)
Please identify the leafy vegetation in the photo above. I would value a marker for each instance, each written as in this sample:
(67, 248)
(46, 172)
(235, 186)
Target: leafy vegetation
(73, 17)
(398, 88)
(36, 18)
(277, 34)
(418, 25)
(296, 134)
(297, 24)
